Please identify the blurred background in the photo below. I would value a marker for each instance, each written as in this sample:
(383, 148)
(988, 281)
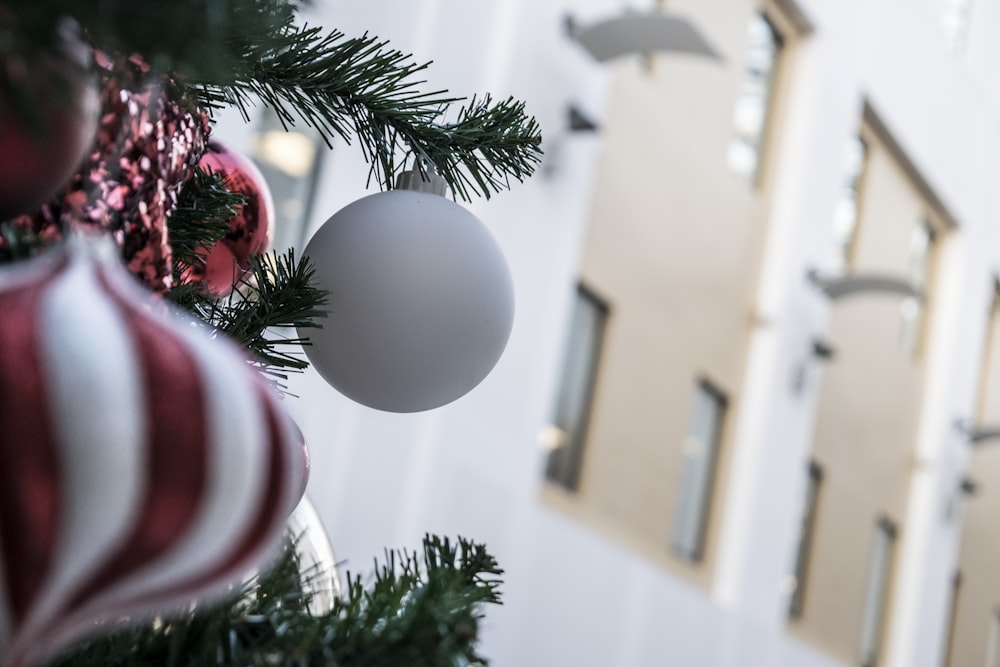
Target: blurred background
(750, 410)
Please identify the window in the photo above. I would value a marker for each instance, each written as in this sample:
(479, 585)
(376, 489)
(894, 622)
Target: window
(912, 310)
(877, 592)
(993, 648)
(697, 471)
(990, 367)
(800, 571)
(641, 5)
(949, 643)
(289, 161)
(565, 436)
(753, 104)
(845, 221)
(955, 20)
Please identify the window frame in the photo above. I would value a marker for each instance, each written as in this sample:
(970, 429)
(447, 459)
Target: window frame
(852, 192)
(290, 233)
(913, 328)
(689, 535)
(564, 463)
(781, 33)
(990, 348)
(952, 620)
(993, 640)
(956, 24)
(878, 592)
(807, 535)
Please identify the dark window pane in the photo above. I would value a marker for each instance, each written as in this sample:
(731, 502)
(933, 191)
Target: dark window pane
(800, 572)
(289, 161)
(572, 411)
(754, 102)
(877, 592)
(697, 471)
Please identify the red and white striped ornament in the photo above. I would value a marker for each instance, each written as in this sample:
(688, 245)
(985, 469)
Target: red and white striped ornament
(145, 465)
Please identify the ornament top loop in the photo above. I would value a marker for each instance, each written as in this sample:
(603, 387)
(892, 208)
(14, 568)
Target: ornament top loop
(425, 180)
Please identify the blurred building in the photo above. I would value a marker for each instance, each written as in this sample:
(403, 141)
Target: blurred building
(750, 412)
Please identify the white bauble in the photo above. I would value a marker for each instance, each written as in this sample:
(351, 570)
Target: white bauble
(421, 301)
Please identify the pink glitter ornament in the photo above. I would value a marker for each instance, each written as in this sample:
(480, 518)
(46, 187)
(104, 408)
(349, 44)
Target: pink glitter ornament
(251, 230)
(146, 465)
(148, 144)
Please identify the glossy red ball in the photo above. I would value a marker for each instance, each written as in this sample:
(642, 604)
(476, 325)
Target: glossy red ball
(251, 230)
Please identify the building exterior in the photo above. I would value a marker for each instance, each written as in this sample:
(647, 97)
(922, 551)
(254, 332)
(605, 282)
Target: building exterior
(745, 415)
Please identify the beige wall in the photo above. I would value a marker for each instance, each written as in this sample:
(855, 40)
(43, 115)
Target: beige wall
(979, 596)
(868, 409)
(673, 247)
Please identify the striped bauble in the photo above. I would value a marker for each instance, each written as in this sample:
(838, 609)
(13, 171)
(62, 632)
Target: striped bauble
(143, 463)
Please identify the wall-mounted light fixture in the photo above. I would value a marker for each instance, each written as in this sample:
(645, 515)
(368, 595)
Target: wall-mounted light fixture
(640, 33)
(577, 122)
(980, 433)
(840, 286)
(823, 350)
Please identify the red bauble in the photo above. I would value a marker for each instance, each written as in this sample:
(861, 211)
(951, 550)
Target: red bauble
(48, 119)
(146, 465)
(251, 230)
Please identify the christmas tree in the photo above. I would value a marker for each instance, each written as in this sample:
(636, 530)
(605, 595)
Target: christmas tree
(120, 542)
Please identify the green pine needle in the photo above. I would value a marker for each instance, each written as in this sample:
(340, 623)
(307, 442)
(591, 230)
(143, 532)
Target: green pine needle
(275, 296)
(414, 611)
(359, 88)
(418, 609)
(200, 218)
(245, 52)
(190, 38)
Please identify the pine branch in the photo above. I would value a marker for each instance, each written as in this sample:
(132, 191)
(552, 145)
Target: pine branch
(415, 617)
(241, 52)
(359, 88)
(191, 38)
(506, 142)
(277, 294)
(415, 612)
(200, 219)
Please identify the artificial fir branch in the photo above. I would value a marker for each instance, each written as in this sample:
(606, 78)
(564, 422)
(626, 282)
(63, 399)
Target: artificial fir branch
(416, 611)
(191, 38)
(241, 52)
(418, 616)
(201, 217)
(358, 87)
(277, 294)
(421, 610)
(504, 140)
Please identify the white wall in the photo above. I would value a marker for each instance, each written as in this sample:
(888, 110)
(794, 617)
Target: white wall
(474, 468)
